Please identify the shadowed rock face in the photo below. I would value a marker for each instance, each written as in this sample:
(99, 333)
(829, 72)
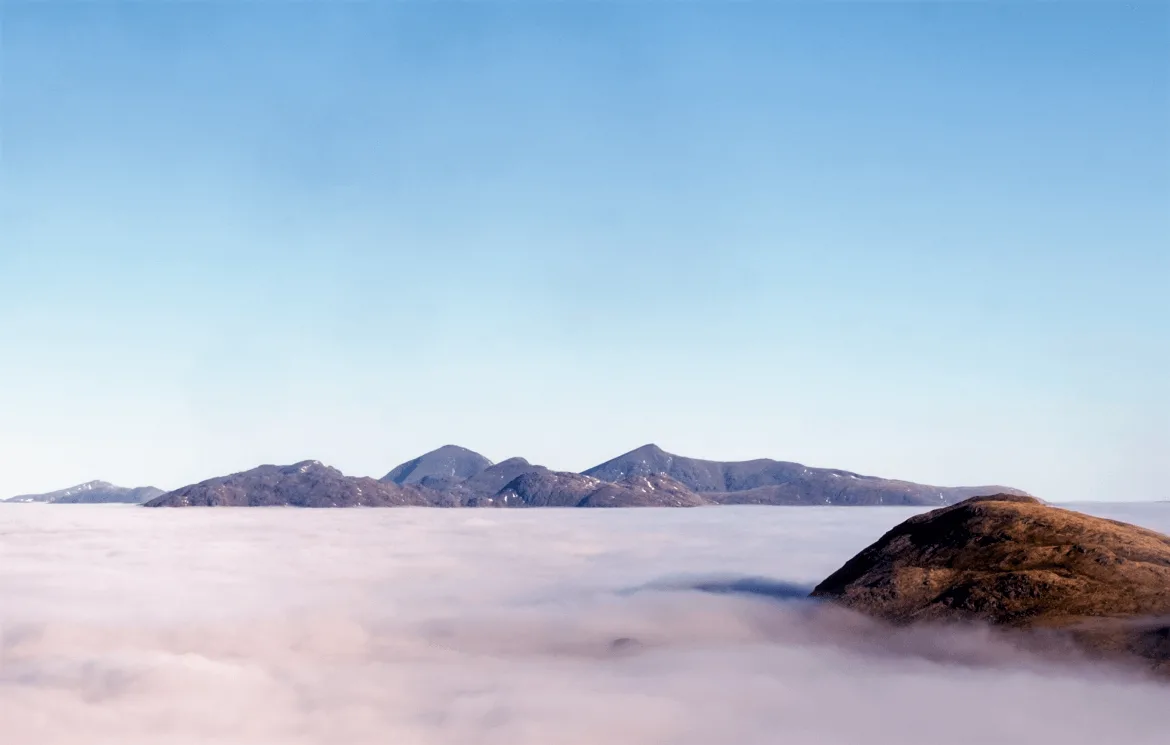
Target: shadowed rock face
(1015, 561)
(304, 484)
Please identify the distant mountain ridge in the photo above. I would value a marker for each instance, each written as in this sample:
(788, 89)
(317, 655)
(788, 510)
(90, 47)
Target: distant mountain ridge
(766, 481)
(308, 483)
(453, 476)
(93, 492)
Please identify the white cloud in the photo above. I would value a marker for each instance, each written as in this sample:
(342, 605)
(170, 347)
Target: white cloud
(433, 627)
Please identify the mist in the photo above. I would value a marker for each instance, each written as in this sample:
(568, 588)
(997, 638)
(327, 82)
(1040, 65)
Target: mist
(539, 627)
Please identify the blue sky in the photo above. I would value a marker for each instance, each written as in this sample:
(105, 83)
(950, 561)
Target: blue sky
(921, 240)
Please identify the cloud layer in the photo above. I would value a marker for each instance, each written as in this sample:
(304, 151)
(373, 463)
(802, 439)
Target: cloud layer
(432, 627)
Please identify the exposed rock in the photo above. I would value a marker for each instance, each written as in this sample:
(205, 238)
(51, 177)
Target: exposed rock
(93, 492)
(304, 484)
(766, 481)
(493, 479)
(1015, 561)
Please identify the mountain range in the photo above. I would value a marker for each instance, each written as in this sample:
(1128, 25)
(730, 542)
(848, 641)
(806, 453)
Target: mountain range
(453, 476)
(93, 492)
(306, 484)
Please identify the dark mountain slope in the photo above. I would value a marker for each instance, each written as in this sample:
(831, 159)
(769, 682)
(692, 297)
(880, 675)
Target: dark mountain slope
(656, 490)
(491, 480)
(560, 489)
(304, 484)
(447, 465)
(766, 481)
(120, 494)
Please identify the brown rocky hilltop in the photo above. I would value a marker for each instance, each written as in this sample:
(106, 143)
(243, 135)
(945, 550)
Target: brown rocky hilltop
(1018, 562)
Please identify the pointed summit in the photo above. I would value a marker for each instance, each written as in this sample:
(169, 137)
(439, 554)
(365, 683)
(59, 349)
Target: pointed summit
(448, 463)
(650, 460)
(644, 461)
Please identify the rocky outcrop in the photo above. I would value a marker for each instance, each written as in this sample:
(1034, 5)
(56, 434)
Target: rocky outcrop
(1014, 561)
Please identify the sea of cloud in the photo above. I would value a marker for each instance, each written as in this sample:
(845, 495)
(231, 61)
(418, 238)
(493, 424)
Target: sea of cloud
(130, 626)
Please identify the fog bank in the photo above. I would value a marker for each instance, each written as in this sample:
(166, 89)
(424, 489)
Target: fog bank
(542, 627)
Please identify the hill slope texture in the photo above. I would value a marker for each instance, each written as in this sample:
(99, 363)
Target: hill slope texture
(93, 492)
(1015, 561)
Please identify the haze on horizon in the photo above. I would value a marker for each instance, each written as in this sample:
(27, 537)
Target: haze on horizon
(921, 241)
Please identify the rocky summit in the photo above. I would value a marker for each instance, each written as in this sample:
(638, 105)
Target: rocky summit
(1017, 562)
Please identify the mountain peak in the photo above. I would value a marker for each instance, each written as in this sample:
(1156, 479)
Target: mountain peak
(95, 484)
(644, 461)
(304, 466)
(648, 449)
(517, 461)
(450, 462)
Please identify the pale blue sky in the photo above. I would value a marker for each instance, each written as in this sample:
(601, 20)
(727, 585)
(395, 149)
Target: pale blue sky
(920, 240)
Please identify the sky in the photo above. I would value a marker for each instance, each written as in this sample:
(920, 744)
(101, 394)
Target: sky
(927, 241)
